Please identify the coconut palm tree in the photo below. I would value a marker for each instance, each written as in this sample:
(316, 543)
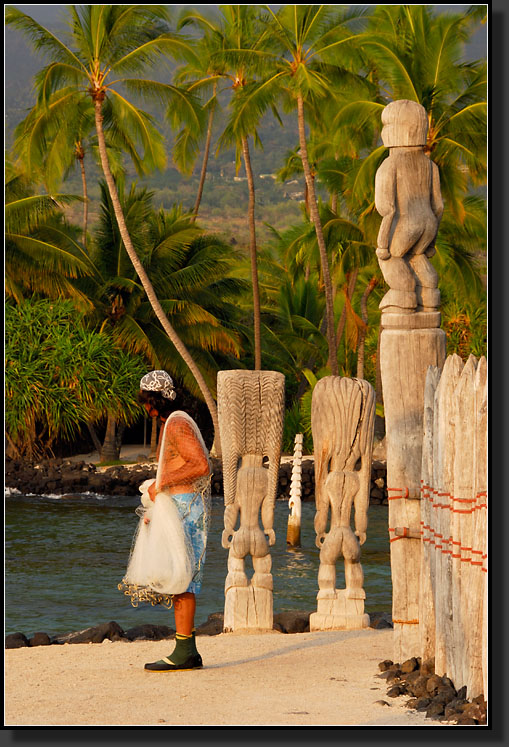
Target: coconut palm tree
(414, 54)
(42, 252)
(192, 274)
(238, 28)
(202, 78)
(192, 278)
(305, 37)
(52, 139)
(108, 44)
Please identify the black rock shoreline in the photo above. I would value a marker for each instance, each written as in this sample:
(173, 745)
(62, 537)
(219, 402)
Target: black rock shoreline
(432, 694)
(291, 621)
(64, 476)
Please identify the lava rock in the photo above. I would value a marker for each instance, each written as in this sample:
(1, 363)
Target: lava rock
(480, 700)
(434, 709)
(428, 666)
(412, 703)
(293, 621)
(422, 704)
(96, 634)
(445, 696)
(213, 626)
(452, 709)
(417, 686)
(40, 639)
(433, 684)
(410, 665)
(394, 691)
(380, 620)
(447, 683)
(464, 720)
(16, 640)
(387, 675)
(384, 665)
(393, 674)
(473, 710)
(149, 632)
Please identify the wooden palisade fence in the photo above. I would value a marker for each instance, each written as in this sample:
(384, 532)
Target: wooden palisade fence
(452, 615)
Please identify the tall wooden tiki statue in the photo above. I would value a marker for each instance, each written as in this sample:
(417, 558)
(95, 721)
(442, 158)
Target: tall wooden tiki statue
(342, 422)
(407, 196)
(250, 412)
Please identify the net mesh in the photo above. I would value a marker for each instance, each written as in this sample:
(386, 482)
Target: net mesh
(163, 558)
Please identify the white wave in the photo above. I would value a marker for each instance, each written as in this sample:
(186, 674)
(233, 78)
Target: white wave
(14, 491)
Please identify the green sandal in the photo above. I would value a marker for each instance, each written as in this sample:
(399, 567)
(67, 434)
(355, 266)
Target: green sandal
(184, 656)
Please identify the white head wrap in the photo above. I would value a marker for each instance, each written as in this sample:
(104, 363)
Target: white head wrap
(158, 381)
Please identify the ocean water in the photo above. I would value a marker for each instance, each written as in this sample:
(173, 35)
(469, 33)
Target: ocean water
(65, 556)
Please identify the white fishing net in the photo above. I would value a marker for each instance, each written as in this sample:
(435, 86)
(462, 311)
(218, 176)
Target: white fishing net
(167, 552)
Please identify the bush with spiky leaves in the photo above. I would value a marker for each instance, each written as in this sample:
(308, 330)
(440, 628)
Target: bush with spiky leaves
(60, 375)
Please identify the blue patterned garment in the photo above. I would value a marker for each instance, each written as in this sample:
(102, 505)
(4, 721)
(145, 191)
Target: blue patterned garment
(195, 512)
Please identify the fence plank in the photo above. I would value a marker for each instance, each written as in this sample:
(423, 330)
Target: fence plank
(443, 455)
(428, 564)
(476, 682)
(461, 525)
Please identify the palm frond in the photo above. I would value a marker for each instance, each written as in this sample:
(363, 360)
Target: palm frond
(140, 125)
(42, 39)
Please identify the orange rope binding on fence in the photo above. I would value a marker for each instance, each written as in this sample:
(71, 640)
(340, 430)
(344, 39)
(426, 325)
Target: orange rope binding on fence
(397, 490)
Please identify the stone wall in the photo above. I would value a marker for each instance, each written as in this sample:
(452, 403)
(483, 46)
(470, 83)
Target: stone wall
(61, 477)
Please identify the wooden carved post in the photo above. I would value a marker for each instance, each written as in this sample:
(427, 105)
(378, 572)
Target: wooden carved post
(407, 195)
(342, 422)
(250, 411)
(294, 504)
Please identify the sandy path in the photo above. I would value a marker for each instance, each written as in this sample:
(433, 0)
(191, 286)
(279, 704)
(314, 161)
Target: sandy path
(321, 678)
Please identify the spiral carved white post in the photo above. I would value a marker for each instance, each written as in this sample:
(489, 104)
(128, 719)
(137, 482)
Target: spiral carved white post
(294, 503)
(250, 412)
(342, 422)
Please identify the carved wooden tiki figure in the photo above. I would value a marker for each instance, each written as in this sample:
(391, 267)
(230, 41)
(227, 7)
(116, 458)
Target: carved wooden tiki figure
(250, 412)
(342, 422)
(407, 196)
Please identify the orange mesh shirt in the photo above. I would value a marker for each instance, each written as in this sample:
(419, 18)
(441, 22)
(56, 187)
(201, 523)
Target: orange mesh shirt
(181, 457)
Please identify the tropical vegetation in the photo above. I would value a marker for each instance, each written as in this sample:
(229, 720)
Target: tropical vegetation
(126, 93)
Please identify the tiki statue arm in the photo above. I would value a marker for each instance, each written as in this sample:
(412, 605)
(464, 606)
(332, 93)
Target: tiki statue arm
(385, 203)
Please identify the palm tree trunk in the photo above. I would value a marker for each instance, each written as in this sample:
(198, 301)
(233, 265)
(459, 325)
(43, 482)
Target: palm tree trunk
(11, 447)
(145, 281)
(110, 451)
(334, 196)
(95, 439)
(352, 280)
(205, 160)
(315, 217)
(362, 336)
(252, 252)
(81, 159)
(153, 438)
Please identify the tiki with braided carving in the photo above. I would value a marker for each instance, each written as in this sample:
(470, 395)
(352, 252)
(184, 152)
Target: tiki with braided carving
(342, 422)
(250, 413)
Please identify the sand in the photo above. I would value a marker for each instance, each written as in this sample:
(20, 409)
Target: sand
(325, 678)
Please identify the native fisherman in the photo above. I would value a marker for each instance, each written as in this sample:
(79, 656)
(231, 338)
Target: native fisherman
(168, 552)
